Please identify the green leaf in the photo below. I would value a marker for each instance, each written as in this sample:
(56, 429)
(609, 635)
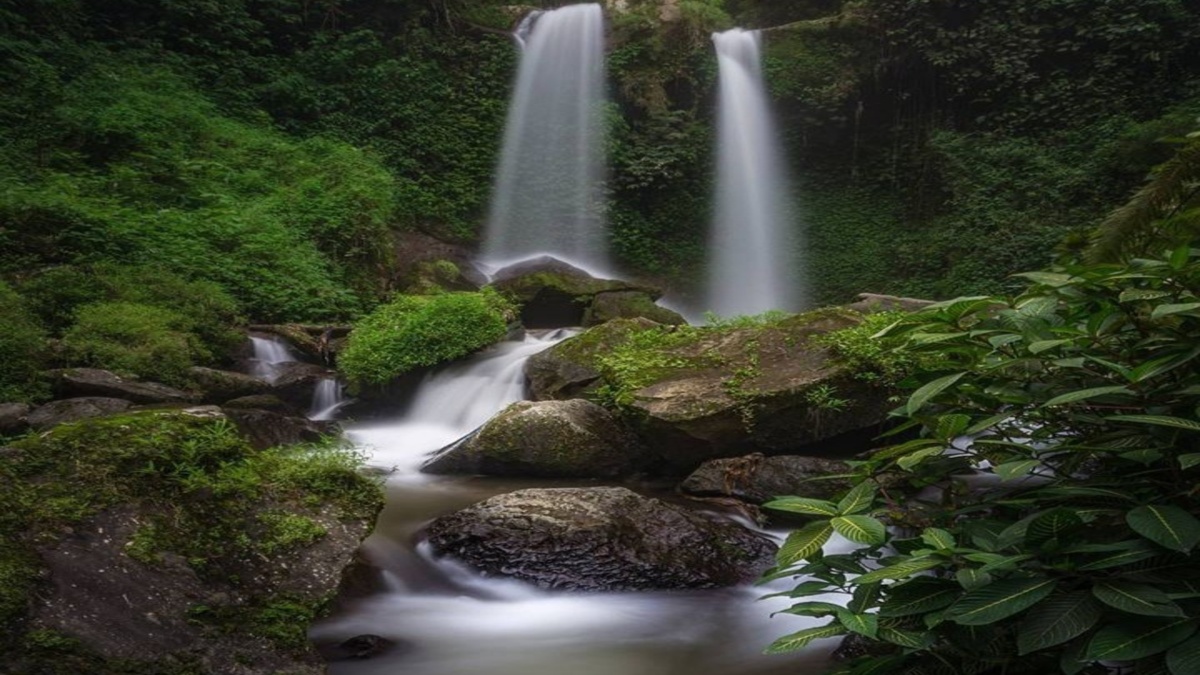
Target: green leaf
(860, 529)
(938, 538)
(970, 577)
(950, 427)
(863, 624)
(999, 600)
(1054, 279)
(801, 639)
(921, 396)
(858, 499)
(1057, 619)
(1017, 469)
(1136, 598)
(1139, 294)
(1167, 310)
(1184, 658)
(1132, 640)
(1189, 460)
(905, 638)
(813, 608)
(1051, 525)
(801, 544)
(879, 665)
(1168, 526)
(1043, 345)
(1157, 420)
(899, 570)
(812, 507)
(1072, 658)
(909, 461)
(1084, 394)
(1134, 552)
(921, 595)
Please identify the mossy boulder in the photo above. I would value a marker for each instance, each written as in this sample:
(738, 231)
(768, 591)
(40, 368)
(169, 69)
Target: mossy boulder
(79, 382)
(757, 479)
(219, 386)
(629, 305)
(599, 539)
(161, 542)
(547, 439)
(554, 294)
(571, 368)
(66, 410)
(13, 418)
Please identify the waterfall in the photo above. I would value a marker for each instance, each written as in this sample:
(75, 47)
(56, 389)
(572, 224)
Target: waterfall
(754, 264)
(268, 354)
(327, 400)
(548, 195)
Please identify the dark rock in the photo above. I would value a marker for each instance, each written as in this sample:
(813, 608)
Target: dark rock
(758, 479)
(874, 302)
(548, 439)
(316, 342)
(568, 369)
(263, 402)
(74, 409)
(357, 647)
(417, 255)
(629, 305)
(599, 539)
(554, 294)
(219, 386)
(80, 382)
(296, 381)
(265, 429)
(13, 418)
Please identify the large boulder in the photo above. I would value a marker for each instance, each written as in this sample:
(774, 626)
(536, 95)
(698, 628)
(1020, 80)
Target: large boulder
(296, 381)
(547, 439)
(699, 393)
(219, 386)
(266, 429)
(13, 418)
(317, 342)
(55, 413)
(81, 382)
(599, 539)
(757, 478)
(554, 294)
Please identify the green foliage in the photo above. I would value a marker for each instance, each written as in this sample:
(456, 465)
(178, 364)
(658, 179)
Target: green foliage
(644, 357)
(132, 339)
(22, 348)
(871, 359)
(413, 331)
(1080, 395)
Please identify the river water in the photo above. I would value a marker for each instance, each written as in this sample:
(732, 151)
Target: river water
(447, 620)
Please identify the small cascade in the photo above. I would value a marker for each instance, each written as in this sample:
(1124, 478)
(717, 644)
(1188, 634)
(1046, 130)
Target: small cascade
(548, 196)
(754, 265)
(328, 398)
(268, 354)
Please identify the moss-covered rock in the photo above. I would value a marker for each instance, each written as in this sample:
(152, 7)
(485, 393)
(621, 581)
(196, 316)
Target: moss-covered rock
(571, 368)
(547, 439)
(629, 305)
(554, 294)
(161, 542)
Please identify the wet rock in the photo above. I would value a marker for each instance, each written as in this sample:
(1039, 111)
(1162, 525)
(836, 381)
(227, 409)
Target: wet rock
(295, 382)
(874, 302)
(263, 402)
(357, 647)
(74, 409)
(316, 342)
(13, 418)
(629, 305)
(568, 369)
(548, 439)
(758, 479)
(83, 382)
(599, 539)
(219, 386)
(554, 294)
(265, 429)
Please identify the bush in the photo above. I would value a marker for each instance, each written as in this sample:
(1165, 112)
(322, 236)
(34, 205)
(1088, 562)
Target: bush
(22, 348)
(413, 331)
(134, 339)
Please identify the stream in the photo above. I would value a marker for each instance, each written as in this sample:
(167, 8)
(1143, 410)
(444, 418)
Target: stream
(447, 620)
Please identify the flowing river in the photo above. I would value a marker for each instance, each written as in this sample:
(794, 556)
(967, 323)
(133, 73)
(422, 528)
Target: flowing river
(446, 620)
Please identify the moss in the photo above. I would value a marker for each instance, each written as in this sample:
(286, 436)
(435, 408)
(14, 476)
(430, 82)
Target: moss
(285, 531)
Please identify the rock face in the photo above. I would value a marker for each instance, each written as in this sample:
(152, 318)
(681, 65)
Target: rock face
(13, 418)
(553, 294)
(548, 439)
(265, 429)
(568, 369)
(296, 381)
(219, 386)
(599, 539)
(758, 479)
(81, 382)
(74, 409)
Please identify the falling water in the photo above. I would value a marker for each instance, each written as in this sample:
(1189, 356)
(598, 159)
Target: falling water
(268, 354)
(548, 192)
(755, 265)
(327, 399)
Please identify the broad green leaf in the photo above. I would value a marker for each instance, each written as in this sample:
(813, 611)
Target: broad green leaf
(1178, 260)
(1144, 637)
(1084, 394)
(999, 600)
(1189, 460)
(801, 639)
(879, 665)
(1167, 310)
(899, 571)
(1056, 620)
(986, 423)
(1135, 551)
(813, 608)
(843, 562)
(1017, 469)
(938, 538)
(1168, 526)
(911, 460)
(970, 577)
(922, 395)
(1051, 525)
(1163, 364)
(1157, 420)
(858, 499)
(950, 427)
(812, 507)
(921, 595)
(905, 638)
(1072, 657)
(801, 544)
(1054, 279)
(860, 529)
(864, 597)
(1005, 563)
(1136, 598)
(1184, 658)
(1139, 294)
(863, 624)
(1044, 345)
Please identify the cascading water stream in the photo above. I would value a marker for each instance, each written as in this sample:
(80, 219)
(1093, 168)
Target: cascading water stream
(755, 261)
(549, 185)
(328, 398)
(268, 354)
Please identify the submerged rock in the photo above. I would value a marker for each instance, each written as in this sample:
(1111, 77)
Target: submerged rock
(55, 413)
(599, 539)
(757, 479)
(549, 439)
(82, 382)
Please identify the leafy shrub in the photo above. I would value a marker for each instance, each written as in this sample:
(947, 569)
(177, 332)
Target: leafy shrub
(134, 339)
(1080, 398)
(422, 330)
(22, 348)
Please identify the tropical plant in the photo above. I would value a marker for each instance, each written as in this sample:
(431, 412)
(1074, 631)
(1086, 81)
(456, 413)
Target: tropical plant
(1056, 526)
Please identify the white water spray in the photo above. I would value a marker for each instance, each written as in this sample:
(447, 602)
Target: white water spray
(548, 195)
(328, 398)
(268, 354)
(755, 263)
